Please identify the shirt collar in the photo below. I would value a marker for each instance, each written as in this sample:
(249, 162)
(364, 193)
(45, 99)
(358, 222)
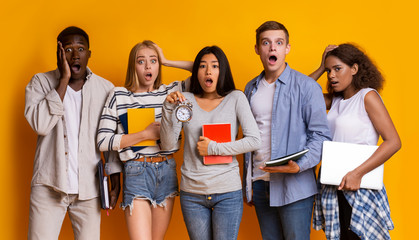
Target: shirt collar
(284, 77)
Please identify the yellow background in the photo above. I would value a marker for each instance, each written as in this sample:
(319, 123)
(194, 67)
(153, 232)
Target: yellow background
(386, 29)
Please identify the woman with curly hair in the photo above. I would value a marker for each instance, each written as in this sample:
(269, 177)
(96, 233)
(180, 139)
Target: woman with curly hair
(356, 115)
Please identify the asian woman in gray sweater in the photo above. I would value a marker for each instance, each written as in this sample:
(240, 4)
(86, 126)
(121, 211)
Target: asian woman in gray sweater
(211, 195)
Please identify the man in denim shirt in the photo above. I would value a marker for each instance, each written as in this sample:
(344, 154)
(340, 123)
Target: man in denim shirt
(291, 115)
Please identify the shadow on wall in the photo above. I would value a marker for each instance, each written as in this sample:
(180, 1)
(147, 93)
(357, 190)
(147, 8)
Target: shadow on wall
(24, 144)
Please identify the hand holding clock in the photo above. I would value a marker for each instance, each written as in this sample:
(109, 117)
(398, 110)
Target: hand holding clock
(183, 110)
(175, 96)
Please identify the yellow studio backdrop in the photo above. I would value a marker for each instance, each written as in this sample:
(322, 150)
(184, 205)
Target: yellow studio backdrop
(387, 30)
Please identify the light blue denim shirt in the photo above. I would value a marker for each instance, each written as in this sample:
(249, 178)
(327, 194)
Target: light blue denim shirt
(298, 122)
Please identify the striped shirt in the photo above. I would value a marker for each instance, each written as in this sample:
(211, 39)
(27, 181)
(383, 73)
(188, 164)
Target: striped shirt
(113, 122)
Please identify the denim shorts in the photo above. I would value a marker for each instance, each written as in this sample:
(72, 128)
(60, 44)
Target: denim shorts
(154, 182)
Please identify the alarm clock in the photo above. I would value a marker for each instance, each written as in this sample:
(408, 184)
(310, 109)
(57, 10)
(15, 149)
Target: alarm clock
(183, 111)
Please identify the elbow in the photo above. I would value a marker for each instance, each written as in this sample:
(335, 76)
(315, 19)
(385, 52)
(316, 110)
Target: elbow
(40, 130)
(100, 145)
(166, 145)
(256, 144)
(398, 144)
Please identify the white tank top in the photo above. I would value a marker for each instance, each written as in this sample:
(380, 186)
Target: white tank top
(349, 121)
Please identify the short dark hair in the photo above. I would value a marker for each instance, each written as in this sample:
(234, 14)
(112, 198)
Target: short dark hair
(225, 83)
(271, 25)
(72, 30)
(368, 74)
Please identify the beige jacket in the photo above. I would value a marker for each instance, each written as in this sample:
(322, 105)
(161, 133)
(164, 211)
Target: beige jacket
(44, 111)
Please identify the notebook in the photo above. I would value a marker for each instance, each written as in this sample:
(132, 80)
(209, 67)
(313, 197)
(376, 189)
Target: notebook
(103, 186)
(285, 159)
(340, 158)
(138, 120)
(219, 132)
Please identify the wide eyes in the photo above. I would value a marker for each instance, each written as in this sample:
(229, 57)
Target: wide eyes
(266, 43)
(142, 61)
(336, 69)
(69, 49)
(204, 66)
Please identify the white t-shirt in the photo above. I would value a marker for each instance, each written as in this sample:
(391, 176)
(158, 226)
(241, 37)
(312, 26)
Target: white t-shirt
(261, 105)
(72, 115)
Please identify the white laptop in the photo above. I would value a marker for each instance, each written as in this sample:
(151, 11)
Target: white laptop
(340, 158)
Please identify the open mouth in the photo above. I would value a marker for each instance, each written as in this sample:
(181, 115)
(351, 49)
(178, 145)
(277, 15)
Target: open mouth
(148, 76)
(75, 67)
(272, 59)
(208, 82)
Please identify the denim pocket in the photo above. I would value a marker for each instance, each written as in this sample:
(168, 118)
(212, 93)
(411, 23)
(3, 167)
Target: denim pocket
(133, 168)
(172, 163)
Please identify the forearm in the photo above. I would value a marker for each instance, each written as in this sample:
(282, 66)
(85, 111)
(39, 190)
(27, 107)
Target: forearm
(381, 155)
(186, 65)
(246, 144)
(170, 130)
(113, 163)
(251, 136)
(317, 131)
(318, 73)
(62, 88)
(42, 110)
(128, 140)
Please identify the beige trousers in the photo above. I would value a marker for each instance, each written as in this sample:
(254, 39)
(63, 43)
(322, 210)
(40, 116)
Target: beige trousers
(48, 209)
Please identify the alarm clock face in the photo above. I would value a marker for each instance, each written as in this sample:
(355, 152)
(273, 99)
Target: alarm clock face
(183, 113)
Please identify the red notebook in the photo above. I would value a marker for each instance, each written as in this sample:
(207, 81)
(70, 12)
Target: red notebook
(219, 132)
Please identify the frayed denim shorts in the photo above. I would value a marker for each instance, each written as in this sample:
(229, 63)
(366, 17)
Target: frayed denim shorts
(154, 182)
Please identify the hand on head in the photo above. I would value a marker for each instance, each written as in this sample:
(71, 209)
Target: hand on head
(62, 64)
(326, 50)
(160, 53)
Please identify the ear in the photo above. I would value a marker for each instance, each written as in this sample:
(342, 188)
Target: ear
(257, 49)
(354, 69)
(89, 54)
(288, 48)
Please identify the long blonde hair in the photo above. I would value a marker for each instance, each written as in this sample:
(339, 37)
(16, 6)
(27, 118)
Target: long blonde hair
(131, 80)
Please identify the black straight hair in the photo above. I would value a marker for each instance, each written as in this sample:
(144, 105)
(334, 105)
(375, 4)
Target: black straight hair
(225, 83)
(72, 30)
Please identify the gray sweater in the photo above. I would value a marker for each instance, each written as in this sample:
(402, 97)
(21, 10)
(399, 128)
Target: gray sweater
(210, 179)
